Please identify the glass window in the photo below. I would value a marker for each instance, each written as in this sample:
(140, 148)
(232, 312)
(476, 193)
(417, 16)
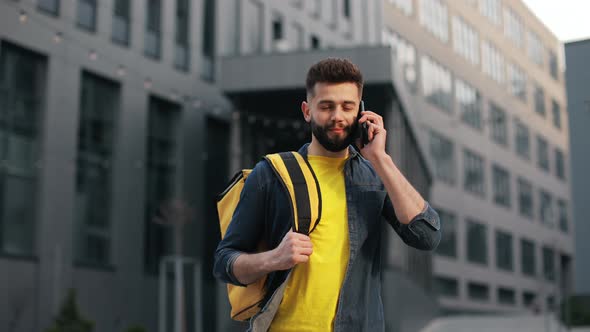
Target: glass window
(546, 208)
(315, 42)
(469, 102)
(181, 49)
(499, 122)
(478, 291)
(548, 264)
(99, 104)
(525, 198)
(553, 67)
(87, 14)
(535, 48)
(277, 27)
(208, 35)
(49, 6)
(562, 215)
(492, 62)
(448, 242)
(278, 33)
(517, 81)
(443, 155)
(346, 8)
(550, 302)
(405, 6)
(153, 32)
(501, 180)
(447, 287)
(539, 100)
(162, 167)
(22, 91)
(528, 298)
(504, 251)
(121, 21)
(465, 40)
(513, 27)
(527, 257)
(559, 164)
(491, 9)
(542, 153)
(434, 17)
(522, 140)
(404, 54)
(436, 84)
(556, 114)
(506, 296)
(474, 174)
(477, 242)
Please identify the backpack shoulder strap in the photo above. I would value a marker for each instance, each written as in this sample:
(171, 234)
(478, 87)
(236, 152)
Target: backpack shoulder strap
(302, 185)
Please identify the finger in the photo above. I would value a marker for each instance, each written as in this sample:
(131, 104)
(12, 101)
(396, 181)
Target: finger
(306, 251)
(301, 237)
(306, 244)
(302, 259)
(372, 118)
(373, 130)
(376, 119)
(365, 116)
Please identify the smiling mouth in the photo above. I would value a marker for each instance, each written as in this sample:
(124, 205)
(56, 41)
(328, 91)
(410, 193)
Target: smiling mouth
(337, 130)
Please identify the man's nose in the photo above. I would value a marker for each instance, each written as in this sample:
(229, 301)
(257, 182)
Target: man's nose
(337, 113)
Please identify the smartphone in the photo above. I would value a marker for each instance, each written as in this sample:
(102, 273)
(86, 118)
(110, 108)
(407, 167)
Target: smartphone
(363, 127)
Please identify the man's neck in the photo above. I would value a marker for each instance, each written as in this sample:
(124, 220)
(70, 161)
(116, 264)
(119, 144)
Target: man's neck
(316, 149)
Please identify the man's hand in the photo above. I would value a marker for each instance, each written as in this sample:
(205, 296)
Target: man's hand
(377, 136)
(295, 248)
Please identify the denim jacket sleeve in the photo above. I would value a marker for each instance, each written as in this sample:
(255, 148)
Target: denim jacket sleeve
(245, 229)
(422, 232)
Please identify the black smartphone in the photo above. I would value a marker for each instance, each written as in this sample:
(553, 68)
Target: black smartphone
(363, 127)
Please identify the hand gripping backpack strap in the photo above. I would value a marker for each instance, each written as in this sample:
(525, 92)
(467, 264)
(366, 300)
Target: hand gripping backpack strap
(300, 182)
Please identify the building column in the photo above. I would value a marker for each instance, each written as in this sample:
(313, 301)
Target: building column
(57, 176)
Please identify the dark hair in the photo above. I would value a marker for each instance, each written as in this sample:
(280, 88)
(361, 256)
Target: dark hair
(333, 70)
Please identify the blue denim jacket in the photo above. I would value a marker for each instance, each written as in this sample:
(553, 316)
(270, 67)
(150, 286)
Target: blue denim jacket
(263, 214)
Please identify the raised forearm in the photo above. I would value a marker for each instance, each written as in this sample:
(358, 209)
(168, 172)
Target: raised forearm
(407, 201)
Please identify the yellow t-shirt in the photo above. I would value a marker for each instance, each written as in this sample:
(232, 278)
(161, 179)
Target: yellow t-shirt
(311, 296)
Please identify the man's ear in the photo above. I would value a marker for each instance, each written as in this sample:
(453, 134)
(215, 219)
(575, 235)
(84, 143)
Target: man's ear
(306, 111)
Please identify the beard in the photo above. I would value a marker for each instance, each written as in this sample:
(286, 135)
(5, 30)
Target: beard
(335, 144)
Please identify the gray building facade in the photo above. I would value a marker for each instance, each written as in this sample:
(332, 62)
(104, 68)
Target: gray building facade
(119, 118)
(577, 54)
(488, 82)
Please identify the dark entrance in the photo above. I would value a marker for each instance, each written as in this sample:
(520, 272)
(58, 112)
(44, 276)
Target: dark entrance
(216, 169)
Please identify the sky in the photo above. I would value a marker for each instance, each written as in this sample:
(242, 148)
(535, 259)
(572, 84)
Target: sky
(567, 19)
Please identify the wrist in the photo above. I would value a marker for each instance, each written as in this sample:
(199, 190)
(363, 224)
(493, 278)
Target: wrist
(379, 159)
(270, 261)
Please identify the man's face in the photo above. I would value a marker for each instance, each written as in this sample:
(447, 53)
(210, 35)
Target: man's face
(332, 113)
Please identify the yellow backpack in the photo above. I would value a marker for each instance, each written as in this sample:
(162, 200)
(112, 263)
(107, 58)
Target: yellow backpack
(301, 184)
